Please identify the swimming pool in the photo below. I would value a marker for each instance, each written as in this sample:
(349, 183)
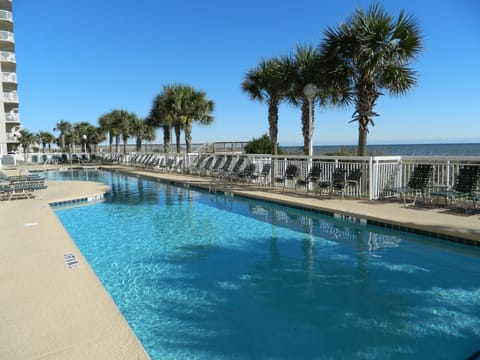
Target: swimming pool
(207, 276)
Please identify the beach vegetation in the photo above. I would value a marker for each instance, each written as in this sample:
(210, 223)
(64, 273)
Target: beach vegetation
(261, 145)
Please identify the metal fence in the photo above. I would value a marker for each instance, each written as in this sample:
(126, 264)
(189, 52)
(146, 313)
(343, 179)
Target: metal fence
(378, 173)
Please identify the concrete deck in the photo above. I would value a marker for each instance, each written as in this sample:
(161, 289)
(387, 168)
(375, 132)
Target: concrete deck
(48, 310)
(51, 311)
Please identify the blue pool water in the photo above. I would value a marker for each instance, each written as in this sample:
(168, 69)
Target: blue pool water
(206, 276)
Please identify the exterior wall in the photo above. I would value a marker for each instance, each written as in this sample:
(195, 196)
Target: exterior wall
(9, 119)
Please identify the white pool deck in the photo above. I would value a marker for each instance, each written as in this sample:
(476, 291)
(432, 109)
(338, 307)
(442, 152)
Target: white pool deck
(51, 311)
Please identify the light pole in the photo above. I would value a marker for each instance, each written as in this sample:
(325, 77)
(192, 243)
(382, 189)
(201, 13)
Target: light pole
(84, 137)
(310, 91)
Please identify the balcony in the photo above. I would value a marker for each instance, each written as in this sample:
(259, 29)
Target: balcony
(7, 56)
(12, 117)
(6, 15)
(10, 97)
(6, 36)
(12, 137)
(9, 77)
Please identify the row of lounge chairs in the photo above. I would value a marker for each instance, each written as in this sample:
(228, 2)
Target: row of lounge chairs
(21, 186)
(465, 187)
(340, 179)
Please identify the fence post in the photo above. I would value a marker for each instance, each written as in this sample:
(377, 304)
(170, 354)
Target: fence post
(370, 178)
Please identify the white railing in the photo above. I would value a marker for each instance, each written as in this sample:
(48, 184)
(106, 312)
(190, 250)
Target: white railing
(10, 77)
(6, 36)
(12, 117)
(379, 174)
(6, 15)
(12, 137)
(7, 56)
(11, 97)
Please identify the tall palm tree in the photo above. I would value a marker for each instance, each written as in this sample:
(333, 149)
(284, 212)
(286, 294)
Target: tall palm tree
(268, 83)
(303, 68)
(369, 53)
(193, 106)
(65, 129)
(106, 124)
(162, 114)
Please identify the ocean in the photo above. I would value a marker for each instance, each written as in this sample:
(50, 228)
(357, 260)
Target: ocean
(461, 149)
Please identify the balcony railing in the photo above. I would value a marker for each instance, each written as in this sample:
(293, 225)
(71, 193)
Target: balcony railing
(6, 15)
(7, 56)
(10, 97)
(12, 137)
(6, 36)
(12, 117)
(9, 77)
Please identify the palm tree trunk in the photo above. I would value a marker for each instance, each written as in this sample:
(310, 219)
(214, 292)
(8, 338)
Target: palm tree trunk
(306, 125)
(362, 139)
(273, 125)
(188, 136)
(110, 141)
(167, 138)
(177, 138)
(125, 139)
(117, 143)
(139, 144)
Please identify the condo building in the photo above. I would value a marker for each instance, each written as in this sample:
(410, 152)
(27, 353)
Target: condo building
(9, 119)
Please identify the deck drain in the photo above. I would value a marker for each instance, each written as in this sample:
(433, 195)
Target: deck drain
(70, 260)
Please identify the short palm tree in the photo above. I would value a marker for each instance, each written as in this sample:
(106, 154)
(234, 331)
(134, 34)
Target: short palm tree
(26, 139)
(46, 138)
(268, 83)
(141, 130)
(179, 106)
(86, 134)
(369, 53)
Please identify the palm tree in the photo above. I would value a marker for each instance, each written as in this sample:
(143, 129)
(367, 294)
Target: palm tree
(107, 124)
(303, 68)
(178, 106)
(46, 138)
(26, 139)
(65, 129)
(86, 134)
(141, 130)
(369, 53)
(193, 106)
(117, 123)
(268, 82)
(162, 114)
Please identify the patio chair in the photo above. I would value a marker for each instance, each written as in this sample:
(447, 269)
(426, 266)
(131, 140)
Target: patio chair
(416, 184)
(465, 186)
(291, 174)
(312, 176)
(337, 183)
(264, 175)
(247, 173)
(353, 180)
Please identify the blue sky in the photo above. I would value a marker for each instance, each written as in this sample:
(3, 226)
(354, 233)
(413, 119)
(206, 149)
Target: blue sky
(77, 60)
